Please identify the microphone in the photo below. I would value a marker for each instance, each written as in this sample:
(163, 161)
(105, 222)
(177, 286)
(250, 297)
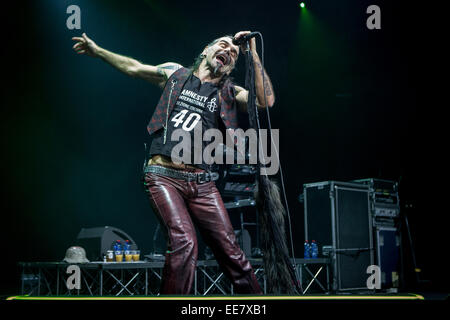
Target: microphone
(245, 38)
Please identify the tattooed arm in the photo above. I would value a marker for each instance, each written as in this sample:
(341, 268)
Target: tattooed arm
(242, 94)
(164, 70)
(154, 74)
(263, 86)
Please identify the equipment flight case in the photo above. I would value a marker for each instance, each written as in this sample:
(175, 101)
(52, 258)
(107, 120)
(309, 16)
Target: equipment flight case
(337, 216)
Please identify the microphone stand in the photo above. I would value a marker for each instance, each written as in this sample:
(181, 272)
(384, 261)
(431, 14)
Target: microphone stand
(276, 257)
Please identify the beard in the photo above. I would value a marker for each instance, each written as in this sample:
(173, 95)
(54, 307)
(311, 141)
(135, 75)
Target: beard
(218, 69)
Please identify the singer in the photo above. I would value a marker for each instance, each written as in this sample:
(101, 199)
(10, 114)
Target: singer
(184, 194)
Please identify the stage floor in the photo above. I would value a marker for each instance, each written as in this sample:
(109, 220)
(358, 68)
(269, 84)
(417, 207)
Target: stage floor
(398, 297)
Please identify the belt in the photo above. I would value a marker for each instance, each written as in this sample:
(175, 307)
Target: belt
(200, 177)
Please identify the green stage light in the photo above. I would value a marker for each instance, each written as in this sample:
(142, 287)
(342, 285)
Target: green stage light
(302, 4)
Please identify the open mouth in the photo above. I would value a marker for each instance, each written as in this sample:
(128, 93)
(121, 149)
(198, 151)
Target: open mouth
(223, 59)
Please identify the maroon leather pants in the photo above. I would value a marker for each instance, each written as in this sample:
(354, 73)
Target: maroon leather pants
(179, 204)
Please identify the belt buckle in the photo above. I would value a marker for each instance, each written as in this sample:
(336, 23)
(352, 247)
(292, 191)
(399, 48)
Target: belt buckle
(190, 177)
(201, 178)
(214, 176)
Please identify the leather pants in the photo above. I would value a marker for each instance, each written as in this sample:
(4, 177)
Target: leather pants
(179, 204)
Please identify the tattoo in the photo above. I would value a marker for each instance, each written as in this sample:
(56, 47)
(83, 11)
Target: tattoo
(266, 84)
(172, 67)
(161, 72)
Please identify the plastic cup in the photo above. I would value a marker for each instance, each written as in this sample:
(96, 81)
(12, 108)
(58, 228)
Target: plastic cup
(109, 256)
(128, 256)
(136, 255)
(119, 256)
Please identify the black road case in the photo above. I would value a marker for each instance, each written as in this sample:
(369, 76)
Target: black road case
(337, 216)
(387, 241)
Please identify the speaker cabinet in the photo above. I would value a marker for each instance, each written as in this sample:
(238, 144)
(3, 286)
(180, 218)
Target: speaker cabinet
(337, 216)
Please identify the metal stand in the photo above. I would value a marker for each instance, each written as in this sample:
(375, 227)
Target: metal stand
(311, 264)
(143, 278)
(97, 278)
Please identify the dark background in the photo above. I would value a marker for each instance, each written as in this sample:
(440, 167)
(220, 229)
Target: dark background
(351, 103)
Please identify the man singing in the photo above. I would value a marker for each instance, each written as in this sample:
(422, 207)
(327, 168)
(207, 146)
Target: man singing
(182, 194)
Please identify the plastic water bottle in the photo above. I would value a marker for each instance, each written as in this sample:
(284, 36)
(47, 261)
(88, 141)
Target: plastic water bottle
(307, 250)
(314, 250)
(118, 251)
(117, 246)
(126, 247)
(127, 251)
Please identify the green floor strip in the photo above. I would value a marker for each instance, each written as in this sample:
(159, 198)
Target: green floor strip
(411, 296)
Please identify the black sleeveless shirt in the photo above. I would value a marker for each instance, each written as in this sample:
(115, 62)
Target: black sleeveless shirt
(196, 107)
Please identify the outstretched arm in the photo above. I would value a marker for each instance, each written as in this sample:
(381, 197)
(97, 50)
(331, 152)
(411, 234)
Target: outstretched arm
(263, 85)
(154, 74)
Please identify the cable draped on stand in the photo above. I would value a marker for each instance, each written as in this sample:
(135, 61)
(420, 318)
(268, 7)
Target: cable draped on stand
(278, 268)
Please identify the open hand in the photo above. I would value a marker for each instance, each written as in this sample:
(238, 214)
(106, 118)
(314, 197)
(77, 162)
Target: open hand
(85, 45)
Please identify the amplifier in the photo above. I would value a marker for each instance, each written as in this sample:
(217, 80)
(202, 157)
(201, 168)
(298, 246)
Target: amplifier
(380, 185)
(238, 180)
(250, 202)
(384, 211)
(242, 170)
(239, 188)
(384, 199)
